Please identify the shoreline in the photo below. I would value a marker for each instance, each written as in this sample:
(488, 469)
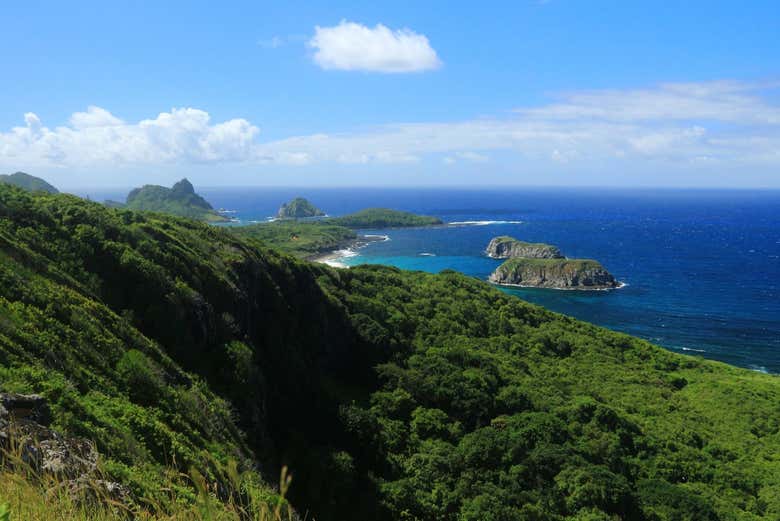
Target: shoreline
(333, 257)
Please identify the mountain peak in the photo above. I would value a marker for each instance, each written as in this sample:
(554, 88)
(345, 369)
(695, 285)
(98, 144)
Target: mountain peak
(183, 187)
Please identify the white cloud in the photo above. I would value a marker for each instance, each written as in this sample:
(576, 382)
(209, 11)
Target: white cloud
(98, 137)
(725, 101)
(726, 124)
(94, 117)
(354, 47)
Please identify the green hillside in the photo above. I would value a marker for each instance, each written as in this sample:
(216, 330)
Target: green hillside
(180, 200)
(389, 394)
(383, 218)
(302, 239)
(28, 182)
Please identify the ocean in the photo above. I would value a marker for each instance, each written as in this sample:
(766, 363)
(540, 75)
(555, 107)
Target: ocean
(701, 267)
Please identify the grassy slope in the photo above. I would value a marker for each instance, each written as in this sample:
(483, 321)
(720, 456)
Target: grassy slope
(519, 263)
(465, 372)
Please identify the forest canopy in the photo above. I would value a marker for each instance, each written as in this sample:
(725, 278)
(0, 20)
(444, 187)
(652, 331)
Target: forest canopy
(389, 394)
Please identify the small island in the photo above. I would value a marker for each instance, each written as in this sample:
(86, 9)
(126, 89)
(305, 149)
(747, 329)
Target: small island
(180, 200)
(505, 247)
(28, 182)
(384, 218)
(298, 208)
(539, 265)
(554, 273)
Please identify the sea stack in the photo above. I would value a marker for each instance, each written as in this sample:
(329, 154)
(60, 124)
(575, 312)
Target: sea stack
(539, 265)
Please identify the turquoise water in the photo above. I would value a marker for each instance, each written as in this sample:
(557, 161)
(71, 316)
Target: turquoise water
(702, 267)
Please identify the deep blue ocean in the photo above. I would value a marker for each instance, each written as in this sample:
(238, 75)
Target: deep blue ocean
(701, 267)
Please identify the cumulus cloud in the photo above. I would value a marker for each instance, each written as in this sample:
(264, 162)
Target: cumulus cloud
(97, 136)
(716, 123)
(94, 117)
(351, 46)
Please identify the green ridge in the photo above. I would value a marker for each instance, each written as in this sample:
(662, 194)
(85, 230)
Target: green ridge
(390, 394)
(28, 182)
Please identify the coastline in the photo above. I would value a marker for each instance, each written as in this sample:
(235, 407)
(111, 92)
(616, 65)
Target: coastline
(580, 288)
(333, 258)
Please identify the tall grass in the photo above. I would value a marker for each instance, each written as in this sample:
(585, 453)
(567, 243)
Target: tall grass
(27, 495)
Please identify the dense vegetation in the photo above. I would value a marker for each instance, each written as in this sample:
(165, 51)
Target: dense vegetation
(383, 218)
(28, 182)
(302, 239)
(298, 208)
(179, 200)
(390, 394)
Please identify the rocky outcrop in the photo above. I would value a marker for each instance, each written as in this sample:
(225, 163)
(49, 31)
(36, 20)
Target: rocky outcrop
(27, 441)
(554, 273)
(509, 247)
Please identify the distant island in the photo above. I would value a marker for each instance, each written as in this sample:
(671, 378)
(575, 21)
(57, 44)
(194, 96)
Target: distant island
(383, 218)
(319, 239)
(298, 208)
(180, 200)
(541, 265)
(28, 182)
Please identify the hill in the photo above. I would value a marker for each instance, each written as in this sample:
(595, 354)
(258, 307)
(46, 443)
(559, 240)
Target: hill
(383, 218)
(179, 200)
(390, 394)
(28, 182)
(298, 208)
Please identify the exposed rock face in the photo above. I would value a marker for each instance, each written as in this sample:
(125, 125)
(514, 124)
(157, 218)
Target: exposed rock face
(27, 440)
(508, 247)
(554, 273)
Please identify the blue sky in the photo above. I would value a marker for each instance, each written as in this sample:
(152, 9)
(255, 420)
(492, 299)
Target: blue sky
(405, 93)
